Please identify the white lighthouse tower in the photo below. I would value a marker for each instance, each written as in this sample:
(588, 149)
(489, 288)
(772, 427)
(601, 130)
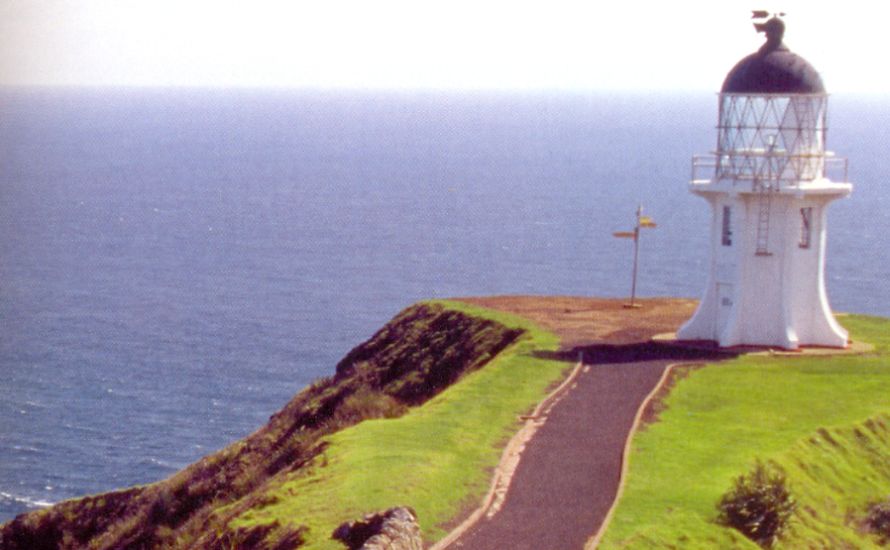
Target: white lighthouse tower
(768, 187)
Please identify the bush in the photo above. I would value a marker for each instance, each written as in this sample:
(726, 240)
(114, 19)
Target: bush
(759, 505)
(366, 404)
(878, 519)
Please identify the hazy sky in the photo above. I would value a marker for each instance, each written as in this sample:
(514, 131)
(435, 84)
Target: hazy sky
(592, 45)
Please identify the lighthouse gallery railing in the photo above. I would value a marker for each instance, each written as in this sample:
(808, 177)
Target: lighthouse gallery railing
(765, 165)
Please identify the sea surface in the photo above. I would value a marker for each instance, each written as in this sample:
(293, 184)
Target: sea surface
(175, 264)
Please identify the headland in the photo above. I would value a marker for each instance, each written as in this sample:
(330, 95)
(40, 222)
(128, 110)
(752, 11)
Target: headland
(420, 414)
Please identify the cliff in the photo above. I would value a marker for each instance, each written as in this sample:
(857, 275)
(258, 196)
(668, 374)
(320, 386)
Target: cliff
(413, 358)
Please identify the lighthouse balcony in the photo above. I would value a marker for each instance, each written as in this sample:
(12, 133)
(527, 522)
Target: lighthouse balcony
(773, 170)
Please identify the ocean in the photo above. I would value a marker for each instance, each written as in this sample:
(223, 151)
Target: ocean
(175, 264)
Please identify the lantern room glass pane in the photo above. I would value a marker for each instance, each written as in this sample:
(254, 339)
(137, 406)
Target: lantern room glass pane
(771, 138)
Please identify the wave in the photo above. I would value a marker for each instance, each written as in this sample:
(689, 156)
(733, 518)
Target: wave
(164, 464)
(27, 501)
(27, 449)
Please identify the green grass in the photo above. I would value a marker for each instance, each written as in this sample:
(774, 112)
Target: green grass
(723, 417)
(437, 458)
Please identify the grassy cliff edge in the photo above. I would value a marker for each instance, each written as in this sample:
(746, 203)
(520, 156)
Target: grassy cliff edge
(409, 418)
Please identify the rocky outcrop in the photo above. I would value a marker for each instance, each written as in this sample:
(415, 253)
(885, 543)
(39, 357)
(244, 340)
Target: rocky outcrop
(394, 529)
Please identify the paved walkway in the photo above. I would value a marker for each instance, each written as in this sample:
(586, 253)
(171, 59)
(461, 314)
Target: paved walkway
(568, 475)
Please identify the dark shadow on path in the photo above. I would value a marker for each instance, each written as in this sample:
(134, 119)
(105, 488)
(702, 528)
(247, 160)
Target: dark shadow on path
(601, 354)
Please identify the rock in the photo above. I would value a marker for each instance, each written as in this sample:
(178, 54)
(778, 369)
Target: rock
(394, 529)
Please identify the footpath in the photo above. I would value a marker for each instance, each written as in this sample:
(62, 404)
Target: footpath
(569, 472)
(568, 475)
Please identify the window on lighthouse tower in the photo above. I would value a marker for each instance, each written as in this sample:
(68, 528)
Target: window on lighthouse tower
(806, 226)
(726, 235)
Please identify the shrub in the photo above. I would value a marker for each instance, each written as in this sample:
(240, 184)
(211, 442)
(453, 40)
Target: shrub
(759, 505)
(878, 519)
(365, 404)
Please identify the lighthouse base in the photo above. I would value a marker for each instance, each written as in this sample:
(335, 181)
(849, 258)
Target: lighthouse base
(822, 330)
(766, 279)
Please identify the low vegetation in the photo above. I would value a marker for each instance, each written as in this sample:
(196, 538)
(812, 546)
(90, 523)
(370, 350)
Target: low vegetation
(878, 520)
(822, 420)
(759, 505)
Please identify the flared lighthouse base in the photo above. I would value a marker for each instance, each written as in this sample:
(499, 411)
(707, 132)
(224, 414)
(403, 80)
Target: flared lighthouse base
(766, 282)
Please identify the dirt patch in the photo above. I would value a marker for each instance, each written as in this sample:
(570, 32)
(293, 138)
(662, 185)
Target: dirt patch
(583, 321)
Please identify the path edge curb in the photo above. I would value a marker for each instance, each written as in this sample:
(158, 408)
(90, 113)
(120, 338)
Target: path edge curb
(519, 439)
(594, 541)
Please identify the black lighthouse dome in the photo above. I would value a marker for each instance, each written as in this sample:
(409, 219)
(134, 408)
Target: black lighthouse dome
(773, 69)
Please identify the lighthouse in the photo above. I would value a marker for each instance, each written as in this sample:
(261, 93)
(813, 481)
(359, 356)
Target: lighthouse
(768, 185)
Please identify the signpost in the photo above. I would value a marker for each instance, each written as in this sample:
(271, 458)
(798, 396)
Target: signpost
(642, 221)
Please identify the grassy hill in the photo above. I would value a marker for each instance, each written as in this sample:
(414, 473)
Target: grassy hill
(823, 420)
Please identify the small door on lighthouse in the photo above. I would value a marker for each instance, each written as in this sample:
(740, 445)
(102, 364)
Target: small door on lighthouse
(724, 307)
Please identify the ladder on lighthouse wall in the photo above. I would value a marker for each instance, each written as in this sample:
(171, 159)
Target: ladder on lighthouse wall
(764, 193)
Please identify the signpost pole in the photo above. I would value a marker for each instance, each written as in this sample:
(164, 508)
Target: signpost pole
(642, 222)
(633, 284)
